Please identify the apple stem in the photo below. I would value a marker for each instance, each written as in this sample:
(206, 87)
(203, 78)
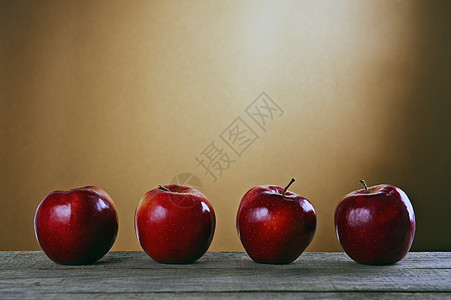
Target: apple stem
(163, 188)
(288, 185)
(363, 183)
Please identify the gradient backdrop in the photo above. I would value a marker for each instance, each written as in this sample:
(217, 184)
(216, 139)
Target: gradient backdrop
(126, 94)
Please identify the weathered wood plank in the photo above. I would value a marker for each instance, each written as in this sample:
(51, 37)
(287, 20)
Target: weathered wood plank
(16, 260)
(226, 280)
(234, 295)
(224, 274)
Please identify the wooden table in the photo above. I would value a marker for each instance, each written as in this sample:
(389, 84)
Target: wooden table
(223, 275)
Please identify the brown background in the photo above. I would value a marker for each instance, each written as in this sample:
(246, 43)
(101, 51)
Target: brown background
(125, 94)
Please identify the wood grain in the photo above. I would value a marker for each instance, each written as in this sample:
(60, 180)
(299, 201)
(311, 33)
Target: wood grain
(225, 274)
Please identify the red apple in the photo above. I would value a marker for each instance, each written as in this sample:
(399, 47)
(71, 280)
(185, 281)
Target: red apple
(175, 224)
(77, 226)
(275, 225)
(375, 225)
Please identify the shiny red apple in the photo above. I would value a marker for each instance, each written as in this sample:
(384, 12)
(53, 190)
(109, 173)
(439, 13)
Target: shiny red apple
(275, 225)
(77, 226)
(375, 225)
(175, 224)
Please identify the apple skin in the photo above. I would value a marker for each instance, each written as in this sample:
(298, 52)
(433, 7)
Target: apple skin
(275, 228)
(175, 226)
(76, 227)
(375, 227)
